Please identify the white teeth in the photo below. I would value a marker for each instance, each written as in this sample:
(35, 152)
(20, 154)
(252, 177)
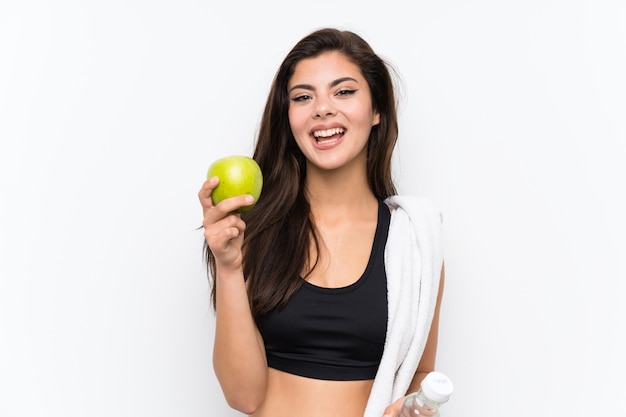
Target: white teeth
(321, 142)
(328, 132)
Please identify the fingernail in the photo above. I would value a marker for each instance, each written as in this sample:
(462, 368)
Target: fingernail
(249, 199)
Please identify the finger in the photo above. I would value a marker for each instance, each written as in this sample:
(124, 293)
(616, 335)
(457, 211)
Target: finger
(220, 235)
(221, 239)
(423, 410)
(390, 411)
(396, 409)
(227, 206)
(207, 188)
(232, 220)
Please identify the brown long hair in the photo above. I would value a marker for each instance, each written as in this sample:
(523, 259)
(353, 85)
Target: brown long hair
(279, 228)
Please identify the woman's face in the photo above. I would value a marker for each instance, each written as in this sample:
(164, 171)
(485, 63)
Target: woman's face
(330, 110)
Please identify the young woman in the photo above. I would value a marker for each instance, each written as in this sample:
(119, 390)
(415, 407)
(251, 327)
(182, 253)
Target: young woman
(327, 292)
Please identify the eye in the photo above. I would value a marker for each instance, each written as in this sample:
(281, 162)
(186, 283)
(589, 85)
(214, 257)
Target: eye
(346, 92)
(301, 97)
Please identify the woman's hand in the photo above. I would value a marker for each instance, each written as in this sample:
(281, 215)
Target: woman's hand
(395, 410)
(223, 227)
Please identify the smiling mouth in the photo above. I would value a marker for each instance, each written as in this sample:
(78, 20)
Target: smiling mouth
(328, 135)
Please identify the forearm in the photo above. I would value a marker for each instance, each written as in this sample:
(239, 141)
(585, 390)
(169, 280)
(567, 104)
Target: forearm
(415, 383)
(238, 354)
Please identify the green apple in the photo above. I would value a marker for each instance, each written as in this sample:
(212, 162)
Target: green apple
(238, 175)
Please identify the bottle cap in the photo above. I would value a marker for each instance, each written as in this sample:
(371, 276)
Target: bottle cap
(437, 387)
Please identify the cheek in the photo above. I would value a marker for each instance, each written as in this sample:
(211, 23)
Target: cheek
(291, 114)
(296, 121)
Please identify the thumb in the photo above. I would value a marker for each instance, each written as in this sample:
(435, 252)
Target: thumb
(390, 411)
(393, 410)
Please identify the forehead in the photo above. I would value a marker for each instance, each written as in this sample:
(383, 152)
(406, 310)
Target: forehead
(325, 67)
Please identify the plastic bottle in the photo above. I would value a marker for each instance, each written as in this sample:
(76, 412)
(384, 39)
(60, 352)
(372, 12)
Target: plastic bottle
(434, 391)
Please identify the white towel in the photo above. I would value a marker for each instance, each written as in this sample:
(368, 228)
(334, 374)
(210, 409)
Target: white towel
(413, 261)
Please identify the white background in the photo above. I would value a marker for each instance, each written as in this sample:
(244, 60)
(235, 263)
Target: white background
(512, 121)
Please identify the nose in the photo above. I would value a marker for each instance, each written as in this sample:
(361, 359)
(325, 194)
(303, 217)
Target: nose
(324, 108)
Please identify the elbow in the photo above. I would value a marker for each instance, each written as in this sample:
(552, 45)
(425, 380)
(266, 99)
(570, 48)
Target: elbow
(244, 404)
(244, 391)
(246, 399)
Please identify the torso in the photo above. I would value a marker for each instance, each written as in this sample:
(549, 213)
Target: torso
(344, 253)
(295, 396)
(290, 395)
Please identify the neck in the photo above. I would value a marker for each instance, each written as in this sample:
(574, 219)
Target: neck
(341, 191)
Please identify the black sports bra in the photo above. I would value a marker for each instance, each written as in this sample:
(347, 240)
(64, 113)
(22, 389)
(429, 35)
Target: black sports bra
(334, 333)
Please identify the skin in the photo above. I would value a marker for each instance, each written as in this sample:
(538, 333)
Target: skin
(326, 92)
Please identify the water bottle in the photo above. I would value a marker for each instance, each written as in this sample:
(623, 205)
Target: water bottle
(434, 391)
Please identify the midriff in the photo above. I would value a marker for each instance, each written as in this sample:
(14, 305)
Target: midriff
(292, 395)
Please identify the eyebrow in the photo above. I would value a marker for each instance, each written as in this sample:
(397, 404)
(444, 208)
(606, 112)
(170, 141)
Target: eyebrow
(332, 84)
